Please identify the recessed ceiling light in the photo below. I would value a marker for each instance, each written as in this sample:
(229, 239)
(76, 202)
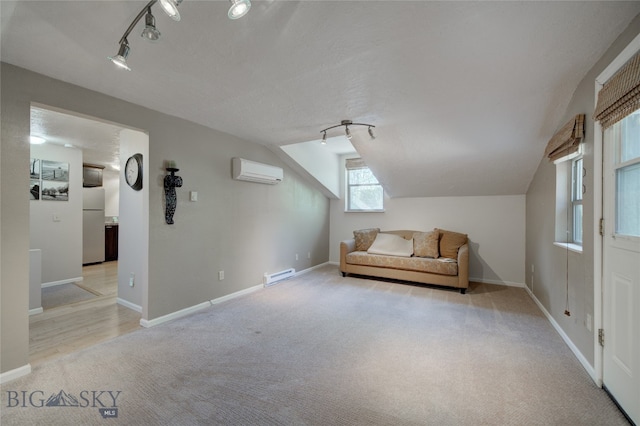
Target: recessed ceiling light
(36, 140)
(68, 145)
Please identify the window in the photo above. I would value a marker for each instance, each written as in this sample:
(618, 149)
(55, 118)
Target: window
(627, 175)
(577, 189)
(569, 210)
(364, 192)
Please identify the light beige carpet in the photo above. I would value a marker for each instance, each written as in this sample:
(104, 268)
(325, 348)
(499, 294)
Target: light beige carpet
(320, 349)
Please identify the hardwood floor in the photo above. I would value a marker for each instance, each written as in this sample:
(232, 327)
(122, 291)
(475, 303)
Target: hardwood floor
(69, 328)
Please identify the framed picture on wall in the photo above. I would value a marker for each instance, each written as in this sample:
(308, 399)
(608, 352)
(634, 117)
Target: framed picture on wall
(55, 191)
(34, 179)
(55, 171)
(34, 189)
(34, 168)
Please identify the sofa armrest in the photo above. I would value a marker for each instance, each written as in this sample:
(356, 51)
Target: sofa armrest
(463, 266)
(346, 247)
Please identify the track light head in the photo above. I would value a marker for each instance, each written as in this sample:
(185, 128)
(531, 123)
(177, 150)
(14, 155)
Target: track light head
(121, 58)
(150, 31)
(347, 132)
(324, 138)
(170, 7)
(371, 133)
(239, 8)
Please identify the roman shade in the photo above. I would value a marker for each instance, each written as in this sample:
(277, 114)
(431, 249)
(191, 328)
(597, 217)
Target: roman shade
(567, 140)
(355, 163)
(620, 95)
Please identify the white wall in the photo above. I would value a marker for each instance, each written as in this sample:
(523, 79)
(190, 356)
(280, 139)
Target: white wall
(495, 226)
(111, 184)
(319, 162)
(61, 240)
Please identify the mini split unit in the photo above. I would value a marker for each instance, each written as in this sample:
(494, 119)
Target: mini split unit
(256, 172)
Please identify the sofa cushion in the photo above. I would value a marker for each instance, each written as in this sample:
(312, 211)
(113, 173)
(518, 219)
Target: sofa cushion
(391, 245)
(425, 244)
(419, 264)
(450, 242)
(365, 237)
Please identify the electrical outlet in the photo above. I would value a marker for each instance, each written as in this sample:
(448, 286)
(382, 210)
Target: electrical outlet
(296, 256)
(56, 217)
(589, 322)
(309, 255)
(193, 196)
(132, 279)
(220, 275)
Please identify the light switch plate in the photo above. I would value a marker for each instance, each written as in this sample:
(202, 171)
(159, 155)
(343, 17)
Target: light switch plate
(193, 196)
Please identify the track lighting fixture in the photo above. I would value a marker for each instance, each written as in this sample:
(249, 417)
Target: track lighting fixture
(150, 31)
(170, 7)
(238, 9)
(347, 132)
(121, 58)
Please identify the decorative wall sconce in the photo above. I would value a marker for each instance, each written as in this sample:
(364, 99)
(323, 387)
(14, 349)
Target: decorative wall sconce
(171, 182)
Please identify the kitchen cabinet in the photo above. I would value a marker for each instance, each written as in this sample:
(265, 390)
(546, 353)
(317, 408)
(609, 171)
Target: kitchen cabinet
(110, 242)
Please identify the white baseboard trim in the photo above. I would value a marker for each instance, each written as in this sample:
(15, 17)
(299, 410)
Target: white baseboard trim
(36, 311)
(174, 315)
(498, 282)
(236, 294)
(181, 313)
(129, 305)
(304, 271)
(585, 364)
(16, 373)
(55, 283)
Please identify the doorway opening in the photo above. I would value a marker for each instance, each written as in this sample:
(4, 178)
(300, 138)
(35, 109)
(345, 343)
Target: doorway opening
(74, 302)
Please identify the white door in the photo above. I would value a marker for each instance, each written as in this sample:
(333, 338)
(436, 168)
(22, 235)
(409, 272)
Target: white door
(621, 264)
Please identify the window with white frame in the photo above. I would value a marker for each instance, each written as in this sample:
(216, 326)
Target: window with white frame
(363, 191)
(626, 139)
(569, 193)
(577, 189)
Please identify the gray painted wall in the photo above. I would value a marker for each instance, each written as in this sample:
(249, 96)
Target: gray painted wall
(243, 228)
(548, 282)
(60, 241)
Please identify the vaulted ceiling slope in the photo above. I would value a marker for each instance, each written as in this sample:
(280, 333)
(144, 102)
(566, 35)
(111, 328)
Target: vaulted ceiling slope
(464, 95)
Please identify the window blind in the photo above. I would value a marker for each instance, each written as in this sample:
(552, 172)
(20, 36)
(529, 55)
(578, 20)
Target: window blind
(619, 96)
(567, 140)
(355, 163)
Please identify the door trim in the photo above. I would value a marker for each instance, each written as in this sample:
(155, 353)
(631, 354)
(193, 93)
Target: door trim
(598, 200)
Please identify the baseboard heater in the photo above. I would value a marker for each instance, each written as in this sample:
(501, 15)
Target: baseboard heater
(271, 279)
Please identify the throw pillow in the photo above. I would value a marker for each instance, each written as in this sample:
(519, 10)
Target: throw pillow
(425, 244)
(364, 238)
(450, 242)
(391, 245)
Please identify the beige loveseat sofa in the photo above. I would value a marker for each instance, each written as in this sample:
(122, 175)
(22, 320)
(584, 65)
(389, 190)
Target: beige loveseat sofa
(439, 257)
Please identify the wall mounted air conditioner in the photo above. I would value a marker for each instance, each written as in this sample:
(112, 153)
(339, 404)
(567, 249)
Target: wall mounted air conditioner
(256, 172)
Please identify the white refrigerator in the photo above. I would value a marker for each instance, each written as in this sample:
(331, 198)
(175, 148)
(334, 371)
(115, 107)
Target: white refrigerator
(92, 225)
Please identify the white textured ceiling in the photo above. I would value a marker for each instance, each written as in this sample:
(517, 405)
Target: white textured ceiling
(99, 141)
(464, 95)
